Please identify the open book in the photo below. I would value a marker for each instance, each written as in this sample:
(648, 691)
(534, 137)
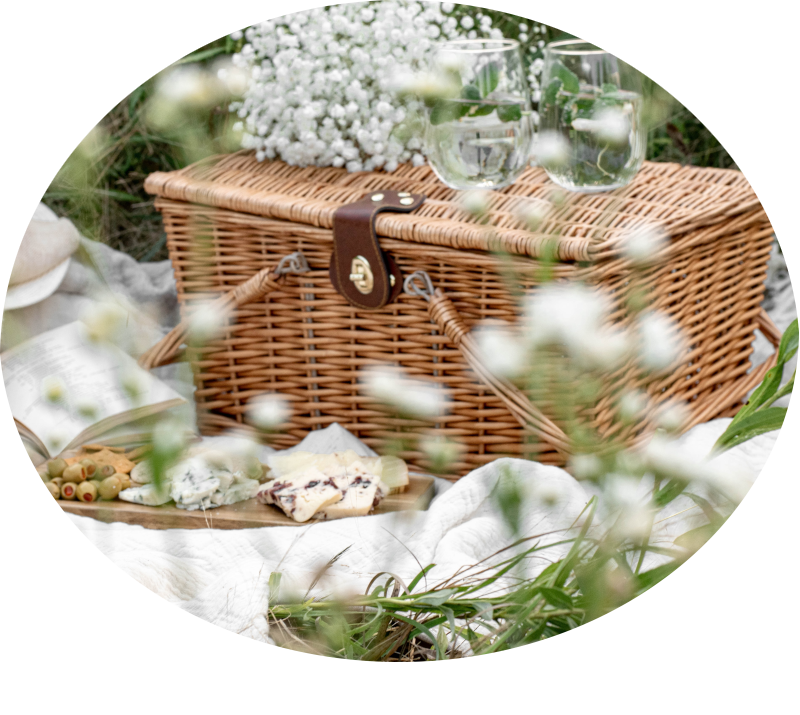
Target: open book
(106, 398)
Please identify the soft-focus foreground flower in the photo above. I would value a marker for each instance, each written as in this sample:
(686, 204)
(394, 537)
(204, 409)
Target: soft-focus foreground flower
(323, 82)
(551, 149)
(608, 124)
(105, 320)
(660, 342)
(54, 389)
(441, 453)
(504, 354)
(268, 412)
(205, 324)
(409, 397)
(575, 316)
(641, 245)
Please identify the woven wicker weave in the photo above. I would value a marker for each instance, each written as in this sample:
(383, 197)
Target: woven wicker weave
(229, 217)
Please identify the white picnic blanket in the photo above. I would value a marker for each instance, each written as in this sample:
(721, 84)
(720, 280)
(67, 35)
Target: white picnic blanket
(222, 576)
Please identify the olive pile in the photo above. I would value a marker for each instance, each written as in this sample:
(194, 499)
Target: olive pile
(84, 480)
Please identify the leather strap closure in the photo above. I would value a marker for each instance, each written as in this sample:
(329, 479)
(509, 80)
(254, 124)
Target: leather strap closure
(366, 276)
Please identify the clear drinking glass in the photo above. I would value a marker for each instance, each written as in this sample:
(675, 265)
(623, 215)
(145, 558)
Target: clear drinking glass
(591, 134)
(479, 130)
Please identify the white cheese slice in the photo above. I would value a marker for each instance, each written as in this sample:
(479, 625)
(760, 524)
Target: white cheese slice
(147, 494)
(362, 493)
(301, 494)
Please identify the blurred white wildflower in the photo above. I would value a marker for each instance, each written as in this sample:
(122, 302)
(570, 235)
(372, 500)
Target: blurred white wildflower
(501, 352)
(54, 390)
(585, 466)
(135, 384)
(441, 453)
(410, 397)
(631, 405)
(168, 438)
(628, 498)
(641, 245)
(551, 149)
(55, 441)
(105, 321)
(475, 202)
(533, 213)
(189, 85)
(672, 416)
(677, 459)
(269, 411)
(87, 408)
(574, 316)
(660, 343)
(427, 85)
(233, 78)
(205, 323)
(609, 124)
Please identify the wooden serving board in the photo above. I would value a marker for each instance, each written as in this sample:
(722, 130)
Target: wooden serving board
(248, 514)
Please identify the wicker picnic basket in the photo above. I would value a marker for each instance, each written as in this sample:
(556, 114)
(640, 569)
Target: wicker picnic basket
(232, 221)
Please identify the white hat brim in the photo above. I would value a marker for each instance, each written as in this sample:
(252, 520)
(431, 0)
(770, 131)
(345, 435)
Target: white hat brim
(24, 294)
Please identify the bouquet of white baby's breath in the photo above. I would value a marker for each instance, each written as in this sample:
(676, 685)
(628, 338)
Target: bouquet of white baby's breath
(322, 82)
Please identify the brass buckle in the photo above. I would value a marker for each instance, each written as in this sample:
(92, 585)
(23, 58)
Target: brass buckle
(361, 275)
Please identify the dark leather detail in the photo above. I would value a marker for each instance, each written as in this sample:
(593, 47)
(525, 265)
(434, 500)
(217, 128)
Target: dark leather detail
(354, 237)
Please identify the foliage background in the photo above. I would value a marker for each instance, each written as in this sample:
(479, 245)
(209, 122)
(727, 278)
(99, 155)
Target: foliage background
(102, 190)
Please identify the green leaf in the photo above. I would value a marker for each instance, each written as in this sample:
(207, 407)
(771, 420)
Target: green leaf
(785, 390)
(609, 88)
(470, 91)
(446, 110)
(671, 490)
(481, 110)
(557, 598)
(437, 598)
(274, 585)
(569, 78)
(201, 56)
(696, 537)
(650, 578)
(509, 112)
(760, 422)
(552, 90)
(789, 343)
(419, 577)
(488, 78)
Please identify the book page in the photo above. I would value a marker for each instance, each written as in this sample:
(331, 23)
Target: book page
(91, 375)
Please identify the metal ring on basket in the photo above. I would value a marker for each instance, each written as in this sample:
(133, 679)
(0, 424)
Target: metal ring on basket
(411, 286)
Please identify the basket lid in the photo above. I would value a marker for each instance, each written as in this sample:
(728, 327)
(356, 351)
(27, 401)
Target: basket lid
(689, 203)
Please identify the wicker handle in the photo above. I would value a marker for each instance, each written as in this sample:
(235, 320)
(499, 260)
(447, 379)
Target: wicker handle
(266, 280)
(444, 314)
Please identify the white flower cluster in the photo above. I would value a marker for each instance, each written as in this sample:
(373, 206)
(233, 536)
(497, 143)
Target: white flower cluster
(320, 90)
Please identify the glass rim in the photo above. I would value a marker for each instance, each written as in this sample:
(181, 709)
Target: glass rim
(556, 47)
(504, 43)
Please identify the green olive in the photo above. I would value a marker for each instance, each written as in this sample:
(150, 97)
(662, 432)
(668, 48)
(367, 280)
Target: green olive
(43, 473)
(87, 492)
(56, 466)
(110, 487)
(124, 479)
(90, 466)
(74, 473)
(54, 490)
(107, 470)
(68, 490)
(58, 481)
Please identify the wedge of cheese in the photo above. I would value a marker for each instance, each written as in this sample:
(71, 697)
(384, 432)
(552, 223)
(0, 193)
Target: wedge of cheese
(392, 471)
(301, 494)
(147, 494)
(361, 494)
